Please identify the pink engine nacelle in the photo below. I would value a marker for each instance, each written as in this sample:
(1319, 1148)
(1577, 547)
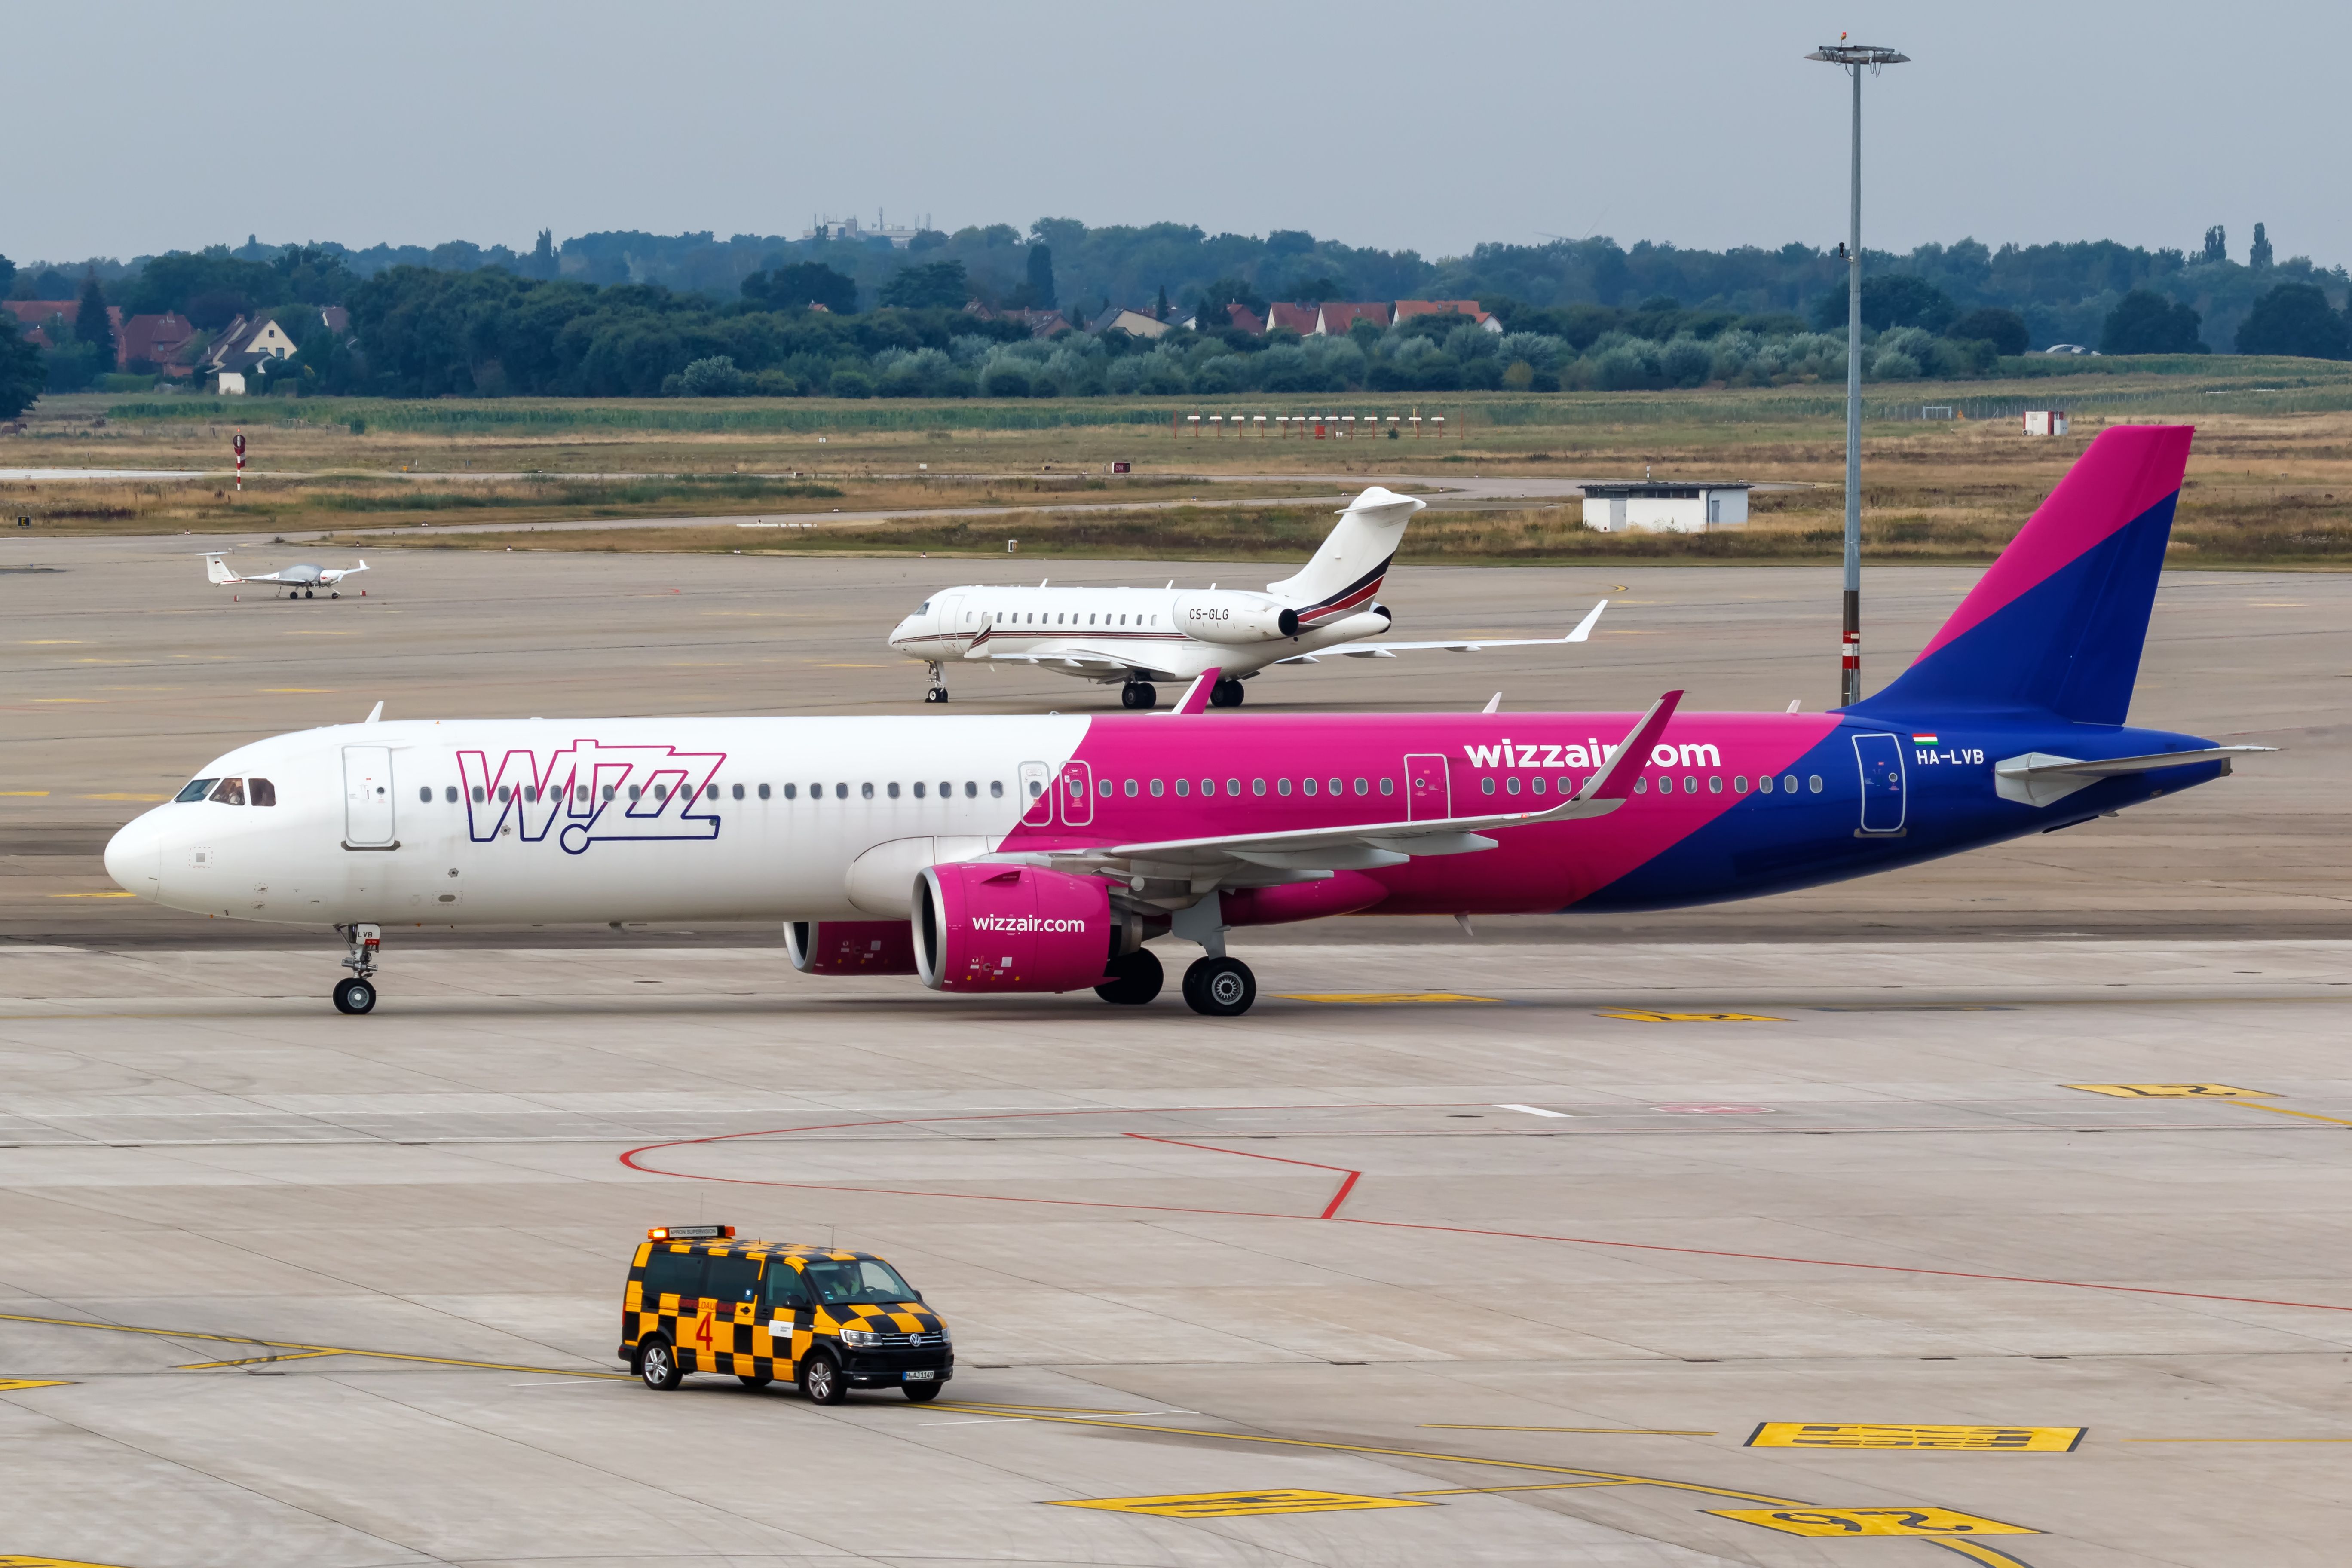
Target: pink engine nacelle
(1010, 928)
(850, 947)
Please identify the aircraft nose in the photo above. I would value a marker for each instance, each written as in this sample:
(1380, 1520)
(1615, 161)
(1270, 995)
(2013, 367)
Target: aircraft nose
(134, 856)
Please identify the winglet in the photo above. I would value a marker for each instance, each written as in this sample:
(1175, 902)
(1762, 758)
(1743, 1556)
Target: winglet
(1494, 704)
(1584, 628)
(374, 713)
(1196, 696)
(1615, 782)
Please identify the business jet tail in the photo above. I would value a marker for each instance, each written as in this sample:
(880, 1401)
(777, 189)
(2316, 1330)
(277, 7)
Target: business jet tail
(1347, 571)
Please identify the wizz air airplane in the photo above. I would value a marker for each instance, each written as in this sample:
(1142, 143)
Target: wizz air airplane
(300, 581)
(1134, 636)
(1010, 854)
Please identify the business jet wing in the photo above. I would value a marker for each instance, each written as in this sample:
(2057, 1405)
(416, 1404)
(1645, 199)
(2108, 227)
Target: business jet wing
(1380, 647)
(1365, 845)
(1075, 655)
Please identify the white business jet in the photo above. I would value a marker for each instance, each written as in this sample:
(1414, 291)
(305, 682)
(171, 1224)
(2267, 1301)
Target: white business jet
(1134, 636)
(298, 581)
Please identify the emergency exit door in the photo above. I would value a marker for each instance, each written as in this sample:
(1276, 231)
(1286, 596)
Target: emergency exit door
(367, 797)
(1880, 757)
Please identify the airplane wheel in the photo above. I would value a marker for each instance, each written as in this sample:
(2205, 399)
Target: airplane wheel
(334, 595)
(1146, 696)
(1132, 979)
(1220, 987)
(307, 594)
(1226, 694)
(1137, 694)
(355, 995)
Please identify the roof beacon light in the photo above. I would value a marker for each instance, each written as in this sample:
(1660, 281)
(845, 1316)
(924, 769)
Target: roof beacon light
(691, 1233)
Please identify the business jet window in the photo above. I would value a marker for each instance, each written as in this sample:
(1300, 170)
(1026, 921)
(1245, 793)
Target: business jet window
(195, 789)
(229, 792)
(261, 792)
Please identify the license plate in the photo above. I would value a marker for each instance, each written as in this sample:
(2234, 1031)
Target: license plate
(920, 1376)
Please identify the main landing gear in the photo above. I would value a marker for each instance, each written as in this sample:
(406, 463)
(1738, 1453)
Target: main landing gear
(1220, 987)
(357, 993)
(1137, 694)
(938, 672)
(1226, 694)
(1131, 979)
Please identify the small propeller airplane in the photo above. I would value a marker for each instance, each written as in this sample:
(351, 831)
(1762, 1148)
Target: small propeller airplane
(300, 580)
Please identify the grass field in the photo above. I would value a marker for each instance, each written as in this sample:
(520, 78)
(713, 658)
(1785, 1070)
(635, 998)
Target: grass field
(2270, 483)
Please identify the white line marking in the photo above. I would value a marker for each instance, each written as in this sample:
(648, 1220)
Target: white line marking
(1531, 1109)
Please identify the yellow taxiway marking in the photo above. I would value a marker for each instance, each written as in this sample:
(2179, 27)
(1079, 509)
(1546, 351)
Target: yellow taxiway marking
(49, 642)
(253, 1360)
(14, 1384)
(1643, 1016)
(68, 699)
(1382, 998)
(1876, 1434)
(19, 1560)
(23, 793)
(1977, 1551)
(297, 1345)
(1606, 1431)
(1870, 1521)
(93, 895)
(1233, 1504)
(2166, 1090)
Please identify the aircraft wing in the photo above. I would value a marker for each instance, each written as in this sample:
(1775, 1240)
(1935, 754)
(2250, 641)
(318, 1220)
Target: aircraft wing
(1068, 654)
(334, 575)
(1380, 647)
(1364, 845)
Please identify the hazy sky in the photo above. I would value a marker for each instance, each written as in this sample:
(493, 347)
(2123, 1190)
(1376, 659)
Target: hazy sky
(1388, 124)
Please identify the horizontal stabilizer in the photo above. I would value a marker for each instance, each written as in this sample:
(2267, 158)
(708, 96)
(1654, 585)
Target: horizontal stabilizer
(2038, 778)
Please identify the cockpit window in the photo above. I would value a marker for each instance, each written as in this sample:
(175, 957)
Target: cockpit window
(196, 789)
(261, 792)
(924, 609)
(230, 792)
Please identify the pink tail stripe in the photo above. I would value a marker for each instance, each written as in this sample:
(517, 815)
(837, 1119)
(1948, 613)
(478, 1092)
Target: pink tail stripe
(2126, 470)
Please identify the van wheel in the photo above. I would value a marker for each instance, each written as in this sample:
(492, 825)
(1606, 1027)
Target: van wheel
(658, 1364)
(821, 1381)
(921, 1393)
(753, 1380)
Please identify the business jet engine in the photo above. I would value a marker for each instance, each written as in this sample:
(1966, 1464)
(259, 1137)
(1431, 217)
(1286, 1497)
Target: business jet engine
(850, 947)
(1235, 619)
(992, 927)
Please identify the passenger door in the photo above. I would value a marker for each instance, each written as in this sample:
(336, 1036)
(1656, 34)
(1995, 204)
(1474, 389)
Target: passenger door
(730, 1296)
(1037, 796)
(1428, 795)
(788, 1323)
(1880, 757)
(1077, 795)
(367, 797)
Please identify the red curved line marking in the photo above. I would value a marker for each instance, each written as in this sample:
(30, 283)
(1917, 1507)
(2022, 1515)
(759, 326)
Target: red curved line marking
(1330, 1209)
(629, 1158)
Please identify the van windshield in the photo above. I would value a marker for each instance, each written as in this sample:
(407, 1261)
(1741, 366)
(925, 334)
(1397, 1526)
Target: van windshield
(868, 1282)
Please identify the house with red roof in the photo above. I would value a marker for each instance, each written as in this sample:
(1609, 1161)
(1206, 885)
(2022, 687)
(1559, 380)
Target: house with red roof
(153, 339)
(1406, 310)
(1334, 317)
(1282, 318)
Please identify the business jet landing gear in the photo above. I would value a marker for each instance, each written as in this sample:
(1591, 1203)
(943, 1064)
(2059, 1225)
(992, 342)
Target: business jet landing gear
(1131, 979)
(357, 993)
(307, 594)
(1220, 987)
(1226, 694)
(1137, 694)
(938, 691)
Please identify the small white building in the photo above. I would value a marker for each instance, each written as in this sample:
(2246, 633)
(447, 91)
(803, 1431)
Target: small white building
(1664, 507)
(2045, 422)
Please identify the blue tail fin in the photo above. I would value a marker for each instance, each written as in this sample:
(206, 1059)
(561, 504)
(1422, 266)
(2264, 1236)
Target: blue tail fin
(2056, 624)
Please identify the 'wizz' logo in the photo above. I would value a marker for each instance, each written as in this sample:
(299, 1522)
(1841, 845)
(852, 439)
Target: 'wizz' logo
(590, 791)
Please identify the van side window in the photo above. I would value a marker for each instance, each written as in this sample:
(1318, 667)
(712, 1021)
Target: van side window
(230, 792)
(672, 1273)
(733, 1279)
(261, 792)
(786, 1285)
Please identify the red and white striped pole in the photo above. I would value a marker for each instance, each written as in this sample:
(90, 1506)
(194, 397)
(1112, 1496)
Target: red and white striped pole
(238, 444)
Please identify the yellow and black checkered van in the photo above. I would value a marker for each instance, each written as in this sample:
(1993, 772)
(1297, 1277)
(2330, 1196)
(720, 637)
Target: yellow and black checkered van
(699, 1299)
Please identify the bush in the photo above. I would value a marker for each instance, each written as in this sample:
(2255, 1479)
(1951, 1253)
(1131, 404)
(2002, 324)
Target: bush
(1686, 362)
(1893, 364)
(1005, 378)
(850, 383)
(2004, 330)
(2294, 319)
(359, 426)
(713, 378)
(775, 384)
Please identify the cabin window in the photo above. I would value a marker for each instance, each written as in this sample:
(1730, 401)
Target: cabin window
(1133, 789)
(1102, 788)
(1388, 787)
(1363, 786)
(579, 793)
(1339, 787)
(1813, 783)
(946, 789)
(739, 792)
(531, 794)
(711, 791)
(1090, 620)
(971, 789)
(1714, 784)
(1665, 785)
(506, 793)
(1510, 786)
(1640, 787)
(636, 792)
(995, 789)
(1535, 784)
(865, 791)
(1159, 789)
(661, 792)
(763, 791)
(1282, 787)
(1183, 789)
(1764, 783)
(1308, 787)
(425, 795)
(1690, 785)
(792, 792)
(1739, 783)
(919, 789)
(893, 789)
(608, 792)
(478, 793)
(449, 794)
(1233, 786)
(1486, 785)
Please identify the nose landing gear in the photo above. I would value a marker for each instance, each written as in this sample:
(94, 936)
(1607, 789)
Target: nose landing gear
(937, 671)
(357, 993)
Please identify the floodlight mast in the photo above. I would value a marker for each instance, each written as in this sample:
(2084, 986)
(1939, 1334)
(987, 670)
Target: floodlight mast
(1853, 58)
